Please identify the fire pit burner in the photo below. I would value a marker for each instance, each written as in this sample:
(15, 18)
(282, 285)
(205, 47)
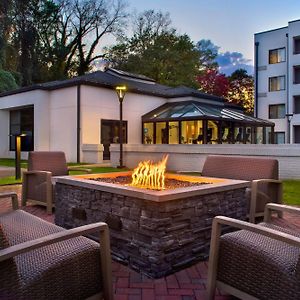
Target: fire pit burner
(170, 183)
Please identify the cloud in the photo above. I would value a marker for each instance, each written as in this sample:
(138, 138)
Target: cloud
(230, 61)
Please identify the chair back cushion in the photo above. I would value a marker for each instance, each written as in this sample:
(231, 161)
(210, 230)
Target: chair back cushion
(240, 167)
(51, 161)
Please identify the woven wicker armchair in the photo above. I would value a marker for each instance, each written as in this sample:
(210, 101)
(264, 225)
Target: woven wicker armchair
(37, 185)
(39, 260)
(262, 172)
(257, 262)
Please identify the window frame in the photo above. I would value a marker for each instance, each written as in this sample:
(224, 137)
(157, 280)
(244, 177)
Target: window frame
(296, 67)
(27, 141)
(277, 56)
(296, 38)
(296, 98)
(284, 87)
(277, 111)
(275, 137)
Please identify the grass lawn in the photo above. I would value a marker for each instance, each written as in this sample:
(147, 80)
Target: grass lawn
(291, 192)
(10, 162)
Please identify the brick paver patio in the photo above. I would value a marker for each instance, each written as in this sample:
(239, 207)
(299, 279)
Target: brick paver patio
(188, 284)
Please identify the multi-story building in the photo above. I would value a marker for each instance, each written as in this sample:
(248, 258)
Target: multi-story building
(277, 80)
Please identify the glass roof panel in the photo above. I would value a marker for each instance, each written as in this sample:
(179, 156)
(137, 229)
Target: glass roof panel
(199, 110)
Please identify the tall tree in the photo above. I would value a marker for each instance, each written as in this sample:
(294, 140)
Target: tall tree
(157, 51)
(208, 53)
(241, 90)
(212, 82)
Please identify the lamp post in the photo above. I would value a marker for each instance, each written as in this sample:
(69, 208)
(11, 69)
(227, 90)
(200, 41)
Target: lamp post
(18, 154)
(289, 118)
(121, 90)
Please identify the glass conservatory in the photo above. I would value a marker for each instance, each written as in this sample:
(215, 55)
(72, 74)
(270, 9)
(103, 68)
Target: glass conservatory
(192, 122)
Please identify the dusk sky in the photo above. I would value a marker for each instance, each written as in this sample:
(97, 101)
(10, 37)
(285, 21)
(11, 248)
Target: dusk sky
(229, 24)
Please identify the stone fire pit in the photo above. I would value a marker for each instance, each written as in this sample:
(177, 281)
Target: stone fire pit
(154, 232)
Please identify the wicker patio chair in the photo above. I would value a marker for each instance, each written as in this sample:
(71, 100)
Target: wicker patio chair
(37, 185)
(39, 260)
(257, 262)
(262, 172)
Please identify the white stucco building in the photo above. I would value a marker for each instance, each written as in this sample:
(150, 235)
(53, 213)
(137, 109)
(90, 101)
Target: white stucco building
(277, 79)
(80, 116)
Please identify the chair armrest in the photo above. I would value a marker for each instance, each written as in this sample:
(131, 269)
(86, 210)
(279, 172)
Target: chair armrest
(256, 228)
(254, 193)
(14, 199)
(68, 234)
(88, 171)
(271, 207)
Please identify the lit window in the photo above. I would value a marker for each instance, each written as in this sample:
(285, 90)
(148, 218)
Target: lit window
(277, 111)
(276, 56)
(276, 83)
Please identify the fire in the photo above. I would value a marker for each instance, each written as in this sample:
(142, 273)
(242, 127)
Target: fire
(149, 175)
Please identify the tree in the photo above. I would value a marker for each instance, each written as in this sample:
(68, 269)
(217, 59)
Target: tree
(157, 51)
(212, 82)
(7, 81)
(241, 90)
(55, 39)
(208, 53)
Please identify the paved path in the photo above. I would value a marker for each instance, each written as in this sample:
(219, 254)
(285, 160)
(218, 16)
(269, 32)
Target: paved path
(6, 171)
(188, 284)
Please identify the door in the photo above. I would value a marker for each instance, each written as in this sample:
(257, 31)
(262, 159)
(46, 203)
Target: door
(110, 135)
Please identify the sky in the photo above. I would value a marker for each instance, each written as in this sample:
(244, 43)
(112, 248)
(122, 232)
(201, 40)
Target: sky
(229, 24)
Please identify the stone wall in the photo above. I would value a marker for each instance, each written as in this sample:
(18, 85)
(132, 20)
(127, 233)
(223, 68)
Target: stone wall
(192, 157)
(155, 238)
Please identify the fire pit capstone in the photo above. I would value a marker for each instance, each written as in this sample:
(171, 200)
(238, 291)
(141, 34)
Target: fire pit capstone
(154, 232)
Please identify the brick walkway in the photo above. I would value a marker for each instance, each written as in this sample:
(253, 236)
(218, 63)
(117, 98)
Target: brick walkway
(188, 284)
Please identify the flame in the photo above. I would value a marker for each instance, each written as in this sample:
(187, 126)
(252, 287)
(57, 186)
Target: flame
(149, 175)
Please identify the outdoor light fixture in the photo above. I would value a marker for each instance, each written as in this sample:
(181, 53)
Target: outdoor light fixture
(18, 154)
(289, 118)
(121, 90)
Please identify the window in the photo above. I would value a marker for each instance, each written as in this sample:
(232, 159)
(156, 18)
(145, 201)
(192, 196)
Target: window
(277, 111)
(148, 133)
(161, 133)
(279, 137)
(296, 74)
(276, 83)
(21, 122)
(297, 104)
(276, 56)
(297, 134)
(297, 45)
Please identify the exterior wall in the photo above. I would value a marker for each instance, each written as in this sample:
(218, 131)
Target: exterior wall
(100, 103)
(40, 100)
(268, 41)
(63, 122)
(192, 157)
(294, 60)
(4, 132)
(278, 38)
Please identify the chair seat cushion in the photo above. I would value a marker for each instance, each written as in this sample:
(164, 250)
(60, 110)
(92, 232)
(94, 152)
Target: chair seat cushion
(260, 266)
(64, 270)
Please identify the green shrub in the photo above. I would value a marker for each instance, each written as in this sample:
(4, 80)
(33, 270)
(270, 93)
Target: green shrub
(7, 81)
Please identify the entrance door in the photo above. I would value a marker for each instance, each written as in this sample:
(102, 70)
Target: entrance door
(110, 135)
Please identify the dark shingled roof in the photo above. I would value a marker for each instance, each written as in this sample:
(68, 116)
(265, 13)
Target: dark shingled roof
(110, 78)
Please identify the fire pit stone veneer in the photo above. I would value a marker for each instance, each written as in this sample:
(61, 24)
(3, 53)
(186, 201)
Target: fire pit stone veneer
(154, 232)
